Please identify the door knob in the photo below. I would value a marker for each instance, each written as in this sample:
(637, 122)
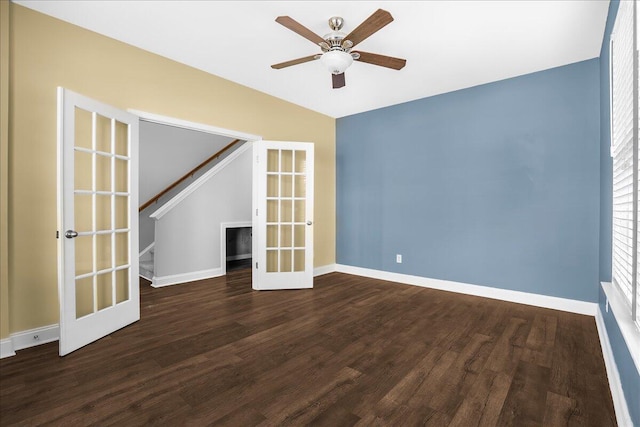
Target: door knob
(70, 234)
(309, 222)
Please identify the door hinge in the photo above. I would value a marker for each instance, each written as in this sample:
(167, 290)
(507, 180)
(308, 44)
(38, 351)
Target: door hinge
(257, 159)
(256, 212)
(256, 265)
(57, 234)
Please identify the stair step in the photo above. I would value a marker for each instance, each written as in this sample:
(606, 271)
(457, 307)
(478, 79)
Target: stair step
(146, 274)
(147, 265)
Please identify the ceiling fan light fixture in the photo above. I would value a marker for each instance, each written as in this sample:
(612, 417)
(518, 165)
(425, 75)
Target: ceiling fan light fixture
(336, 61)
(336, 46)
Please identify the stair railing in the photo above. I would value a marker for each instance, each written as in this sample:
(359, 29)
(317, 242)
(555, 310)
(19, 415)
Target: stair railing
(186, 176)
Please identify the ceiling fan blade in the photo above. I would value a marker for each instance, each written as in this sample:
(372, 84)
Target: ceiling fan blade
(338, 80)
(297, 27)
(293, 62)
(381, 60)
(379, 19)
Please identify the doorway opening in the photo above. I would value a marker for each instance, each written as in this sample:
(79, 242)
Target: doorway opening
(208, 245)
(236, 246)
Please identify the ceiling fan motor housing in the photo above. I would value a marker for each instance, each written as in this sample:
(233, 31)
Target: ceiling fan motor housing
(337, 55)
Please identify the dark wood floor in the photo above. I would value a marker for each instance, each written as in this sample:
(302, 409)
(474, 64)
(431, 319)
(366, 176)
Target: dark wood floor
(351, 351)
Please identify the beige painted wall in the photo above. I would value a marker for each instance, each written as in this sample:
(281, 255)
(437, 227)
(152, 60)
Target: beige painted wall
(4, 163)
(46, 53)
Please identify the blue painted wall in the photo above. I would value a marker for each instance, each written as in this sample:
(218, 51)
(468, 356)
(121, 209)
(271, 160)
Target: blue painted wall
(629, 375)
(496, 185)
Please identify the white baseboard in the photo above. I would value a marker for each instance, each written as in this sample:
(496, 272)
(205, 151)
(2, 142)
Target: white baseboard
(174, 279)
(147, 249)
(6, 348)
(36, 336)
(564, 304)
(617, 394)
(319, 271)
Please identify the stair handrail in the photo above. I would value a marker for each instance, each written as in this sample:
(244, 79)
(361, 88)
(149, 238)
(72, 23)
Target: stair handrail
(186, 176)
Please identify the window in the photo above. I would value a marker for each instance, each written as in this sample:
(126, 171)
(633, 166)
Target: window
(626, 161)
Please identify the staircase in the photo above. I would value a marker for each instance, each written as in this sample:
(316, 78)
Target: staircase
(147, 224)
(146, 266)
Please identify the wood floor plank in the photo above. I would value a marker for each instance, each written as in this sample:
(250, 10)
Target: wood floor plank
(482, 405)
(576, 377)
(509, 347)
(540, 341)
(432, 366)
(525, 401)
(335, 415)
(462, 373)
(351, 351)
(562, 411)
(256, 385)
(243, 416)
(310, 399)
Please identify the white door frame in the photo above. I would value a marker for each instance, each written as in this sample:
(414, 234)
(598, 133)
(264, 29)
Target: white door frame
(200, 127)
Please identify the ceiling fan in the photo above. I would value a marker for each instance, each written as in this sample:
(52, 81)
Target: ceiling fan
(336, 46)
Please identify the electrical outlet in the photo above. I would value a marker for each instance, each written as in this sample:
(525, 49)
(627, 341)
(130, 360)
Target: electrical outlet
(399, 258)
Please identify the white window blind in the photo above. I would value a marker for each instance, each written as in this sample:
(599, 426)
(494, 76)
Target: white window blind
(626, 160)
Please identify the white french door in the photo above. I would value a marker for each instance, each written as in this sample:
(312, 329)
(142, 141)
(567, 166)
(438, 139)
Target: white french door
(283, 217)
(97, 220)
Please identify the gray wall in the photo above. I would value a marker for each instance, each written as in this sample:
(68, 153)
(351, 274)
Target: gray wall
(188, 236)
(496, 185)
(168, 152)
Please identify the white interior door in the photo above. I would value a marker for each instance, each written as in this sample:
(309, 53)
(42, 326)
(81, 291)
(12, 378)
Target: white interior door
(97, 220)
(283, 221)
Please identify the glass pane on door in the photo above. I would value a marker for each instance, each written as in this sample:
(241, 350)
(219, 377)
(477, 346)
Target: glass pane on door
(286, 210)
(101, 213)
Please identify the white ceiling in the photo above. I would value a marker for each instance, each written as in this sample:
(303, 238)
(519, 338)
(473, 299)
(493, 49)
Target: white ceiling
(448, 45)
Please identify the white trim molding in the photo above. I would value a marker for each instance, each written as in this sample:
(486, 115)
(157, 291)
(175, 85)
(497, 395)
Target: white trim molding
(564, 304)
(176, 279)
(6, 348)
(199, 127)
(324, 269)
(615, 385)
(175, 200)
(147, 249)
(36, 336)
